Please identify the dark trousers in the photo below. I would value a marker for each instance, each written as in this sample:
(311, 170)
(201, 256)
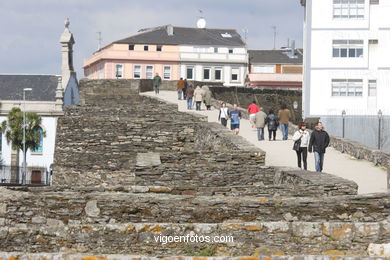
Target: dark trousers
(271, 132)
(198, 104)
(224, 122)
(302, 156)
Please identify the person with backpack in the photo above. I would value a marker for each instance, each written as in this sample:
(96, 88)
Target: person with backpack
(301, 141)
(223, 114)
(272, 123)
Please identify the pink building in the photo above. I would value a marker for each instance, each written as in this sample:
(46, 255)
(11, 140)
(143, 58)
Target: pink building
(135, 58)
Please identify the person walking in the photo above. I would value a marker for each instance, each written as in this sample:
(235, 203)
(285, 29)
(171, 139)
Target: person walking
(235, 117)
(190, 95)
(301, 137)
(198, 97)
(223, 114)
(185, 89)
(260, 123)
(252, 110)
(180, 87)
(319, 140)
(284, 117)
(272, 123)
(207, 97)
(156, 83)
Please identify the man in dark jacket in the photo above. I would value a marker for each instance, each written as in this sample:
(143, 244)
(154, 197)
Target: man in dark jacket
(319, 140)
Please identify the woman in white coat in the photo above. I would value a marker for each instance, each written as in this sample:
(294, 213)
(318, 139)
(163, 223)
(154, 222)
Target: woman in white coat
(198, 97)
(303, 135)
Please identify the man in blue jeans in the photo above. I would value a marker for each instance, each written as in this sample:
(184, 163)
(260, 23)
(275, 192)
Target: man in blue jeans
(319, 140)
(284, 116)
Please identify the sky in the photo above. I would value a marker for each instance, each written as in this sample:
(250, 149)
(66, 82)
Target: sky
(30, 29)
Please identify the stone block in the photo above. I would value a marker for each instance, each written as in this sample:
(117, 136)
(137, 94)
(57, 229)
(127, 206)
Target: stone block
(149, 159)
(91, 209)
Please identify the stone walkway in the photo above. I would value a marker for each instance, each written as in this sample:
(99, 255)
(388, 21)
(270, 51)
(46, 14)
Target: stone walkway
(279, 153)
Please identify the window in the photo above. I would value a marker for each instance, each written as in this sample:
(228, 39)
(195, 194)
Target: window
(206, 73)
(146, 47)
(230, 50)
(218, 74)
(235, 72)
(137, 72)
(167, 72)
(374, 2)
(131, 47)
(348, 9)
(159, 48)
(118, 70)
(190, 73)
(149, 72)
(373, 41)
(1, 141)
(348, 48)
(38, 130)
(347, 87)
(215, 50)
(372, 88)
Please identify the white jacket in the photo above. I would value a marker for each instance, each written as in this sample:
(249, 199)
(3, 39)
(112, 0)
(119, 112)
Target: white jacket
(305, 137)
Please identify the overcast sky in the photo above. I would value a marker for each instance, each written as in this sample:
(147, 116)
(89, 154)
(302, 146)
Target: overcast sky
(30, 29)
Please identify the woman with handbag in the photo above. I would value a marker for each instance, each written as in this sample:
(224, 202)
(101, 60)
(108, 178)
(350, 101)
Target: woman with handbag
(301, 140)
(223, 114)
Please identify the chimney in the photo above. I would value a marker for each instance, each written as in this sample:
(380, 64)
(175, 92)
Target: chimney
(169, 29)
(292, 48)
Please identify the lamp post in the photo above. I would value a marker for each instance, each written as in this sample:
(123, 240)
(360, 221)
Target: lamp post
(24, 135)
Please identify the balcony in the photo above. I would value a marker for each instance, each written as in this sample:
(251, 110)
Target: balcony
(275, 77)
(13, 176)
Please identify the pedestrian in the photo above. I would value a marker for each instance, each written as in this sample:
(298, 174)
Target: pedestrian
(190, 95)
(301, 141)
(185, 89)
(180, 87)
(319, 140)
(198, 97)
(235, 117)
(207, 97)
(284, 117)
(223, 114)
(156, 83)
(272, 123)
(252, 110)
(260, 123)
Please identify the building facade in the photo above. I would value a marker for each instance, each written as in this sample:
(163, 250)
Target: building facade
(276, 68)
(46, 95)
(201, 54)
(347, 57)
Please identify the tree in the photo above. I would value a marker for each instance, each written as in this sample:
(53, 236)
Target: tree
(13, 131)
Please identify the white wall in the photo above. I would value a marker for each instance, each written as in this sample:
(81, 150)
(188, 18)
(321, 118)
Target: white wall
(321, 67)
(49, 124)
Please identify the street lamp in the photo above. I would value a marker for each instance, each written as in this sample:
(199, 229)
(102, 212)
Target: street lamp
(24, 135)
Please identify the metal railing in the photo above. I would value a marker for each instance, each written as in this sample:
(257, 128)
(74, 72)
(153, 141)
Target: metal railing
(370, 130)
(13, 176)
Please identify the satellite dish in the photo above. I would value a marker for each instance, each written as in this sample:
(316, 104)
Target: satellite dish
(201, 23)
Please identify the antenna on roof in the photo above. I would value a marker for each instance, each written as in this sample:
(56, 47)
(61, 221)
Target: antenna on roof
(201, 23)
(274, 28)
(100, 40)
(245, 31)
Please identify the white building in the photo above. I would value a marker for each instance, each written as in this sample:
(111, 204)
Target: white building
(347, 57)
(48, 95)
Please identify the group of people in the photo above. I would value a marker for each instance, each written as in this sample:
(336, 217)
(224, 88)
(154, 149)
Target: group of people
(304, 141)
(317, 141)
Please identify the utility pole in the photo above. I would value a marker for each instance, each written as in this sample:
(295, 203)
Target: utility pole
(274, 28)
(100, 40)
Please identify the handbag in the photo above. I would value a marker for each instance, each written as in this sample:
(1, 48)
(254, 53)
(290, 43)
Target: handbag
(297, 145)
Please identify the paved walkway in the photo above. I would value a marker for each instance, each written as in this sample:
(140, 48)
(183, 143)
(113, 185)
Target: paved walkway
(279, 153)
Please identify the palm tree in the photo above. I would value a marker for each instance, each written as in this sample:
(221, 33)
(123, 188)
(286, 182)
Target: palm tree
(13, 130)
